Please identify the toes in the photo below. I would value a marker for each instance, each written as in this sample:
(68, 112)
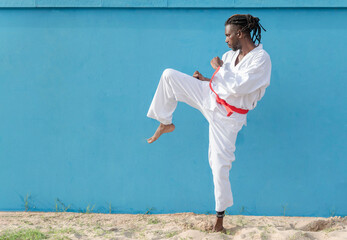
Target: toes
(152, 139)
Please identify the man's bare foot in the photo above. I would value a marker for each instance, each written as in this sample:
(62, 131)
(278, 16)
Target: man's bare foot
(160, 130)
(218, 227)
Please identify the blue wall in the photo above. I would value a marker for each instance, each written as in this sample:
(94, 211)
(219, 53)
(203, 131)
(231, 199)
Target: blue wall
(76, 84)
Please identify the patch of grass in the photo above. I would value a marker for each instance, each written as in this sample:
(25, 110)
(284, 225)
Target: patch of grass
(62, 238)
(171, 234)
(128, 233)
(263, 235)
(158, 232)
(72, 217)
(230, 232)
(66, 230)
(23, 234)
(252, 234)
(153, 220)
(27, 222)
(97, 226)
(99, 231)
(331, 229)
(142, 235)
(298, 236)
(43, 218)
(107, 235)
(241, 221)
(56, 234)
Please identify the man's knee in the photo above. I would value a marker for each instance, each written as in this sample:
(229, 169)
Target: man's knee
(222, 171)
(224, 156)
(168, 72)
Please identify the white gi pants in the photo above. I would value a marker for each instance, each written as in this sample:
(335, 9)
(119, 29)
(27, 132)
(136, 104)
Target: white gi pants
(176, 86)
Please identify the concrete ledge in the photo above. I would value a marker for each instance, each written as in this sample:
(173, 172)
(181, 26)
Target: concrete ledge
(173, 3)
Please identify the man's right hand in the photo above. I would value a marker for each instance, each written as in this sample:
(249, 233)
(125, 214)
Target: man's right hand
(199, 76)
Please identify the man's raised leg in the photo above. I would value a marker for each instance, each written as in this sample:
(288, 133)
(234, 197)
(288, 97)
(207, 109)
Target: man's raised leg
(175, 86)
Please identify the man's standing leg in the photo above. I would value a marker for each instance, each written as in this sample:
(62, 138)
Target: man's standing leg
(223, 132)
(175, 86)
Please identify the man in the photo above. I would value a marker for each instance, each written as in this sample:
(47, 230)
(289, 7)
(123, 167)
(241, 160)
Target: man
(239, 82)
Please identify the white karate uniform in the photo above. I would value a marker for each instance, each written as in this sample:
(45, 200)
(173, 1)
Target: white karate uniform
(241, 86)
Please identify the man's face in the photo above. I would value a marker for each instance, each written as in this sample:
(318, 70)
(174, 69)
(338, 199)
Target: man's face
(231, 37)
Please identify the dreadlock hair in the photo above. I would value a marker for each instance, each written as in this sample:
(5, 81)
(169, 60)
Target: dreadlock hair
(247, 23)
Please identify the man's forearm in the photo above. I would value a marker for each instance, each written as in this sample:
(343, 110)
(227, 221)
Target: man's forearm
(206, 79)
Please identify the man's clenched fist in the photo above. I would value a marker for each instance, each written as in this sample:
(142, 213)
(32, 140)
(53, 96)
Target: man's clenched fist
(216, 62)
(199, 76)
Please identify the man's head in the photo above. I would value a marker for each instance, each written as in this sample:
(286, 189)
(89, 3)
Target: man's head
(238, 28)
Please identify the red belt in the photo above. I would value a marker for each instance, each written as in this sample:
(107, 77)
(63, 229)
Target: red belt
(230, 109)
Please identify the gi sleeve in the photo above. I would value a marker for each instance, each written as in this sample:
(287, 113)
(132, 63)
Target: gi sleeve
(255, 76)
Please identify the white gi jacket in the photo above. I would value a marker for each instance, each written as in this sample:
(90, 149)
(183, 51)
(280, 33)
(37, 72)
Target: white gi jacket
(244, 84)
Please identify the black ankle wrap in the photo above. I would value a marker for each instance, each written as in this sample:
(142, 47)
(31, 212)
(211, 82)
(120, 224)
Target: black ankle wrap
(220, 214)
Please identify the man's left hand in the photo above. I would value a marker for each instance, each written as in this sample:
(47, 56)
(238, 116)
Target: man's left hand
(216, 62)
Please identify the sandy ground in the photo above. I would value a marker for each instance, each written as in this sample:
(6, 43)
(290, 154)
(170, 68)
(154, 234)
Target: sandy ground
(68, 225)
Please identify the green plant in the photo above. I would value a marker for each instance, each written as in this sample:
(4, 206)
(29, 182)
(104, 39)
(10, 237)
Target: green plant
(110, 208)
(242, 209)
(28, 202)
(229, 232)
(332, 212)
(88, 209)
(153, 220)
(148, 211)
(263, 236)
(331, 229)
(171, 234)
(241, 221)
(299, 235)
(27, 222)
(60, 207)
(284, 208)
(142, 235)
